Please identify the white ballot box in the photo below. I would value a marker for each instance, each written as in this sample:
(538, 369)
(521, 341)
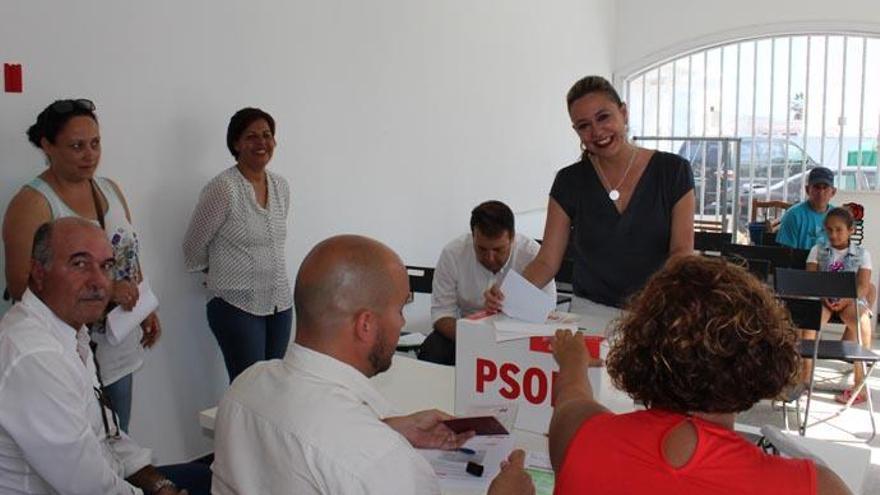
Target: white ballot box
(523, 371)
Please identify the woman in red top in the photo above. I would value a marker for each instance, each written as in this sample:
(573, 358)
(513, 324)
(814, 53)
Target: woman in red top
(702, 341)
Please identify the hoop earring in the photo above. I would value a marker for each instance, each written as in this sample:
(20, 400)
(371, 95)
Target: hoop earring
(583, 146)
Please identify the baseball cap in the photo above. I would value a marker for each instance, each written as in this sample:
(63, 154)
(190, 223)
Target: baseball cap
(820, 175)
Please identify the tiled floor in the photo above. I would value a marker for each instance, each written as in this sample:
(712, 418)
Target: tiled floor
(852, 427)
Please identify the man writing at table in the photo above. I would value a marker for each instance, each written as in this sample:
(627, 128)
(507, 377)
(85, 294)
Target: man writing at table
(470, 264)
(313, 423)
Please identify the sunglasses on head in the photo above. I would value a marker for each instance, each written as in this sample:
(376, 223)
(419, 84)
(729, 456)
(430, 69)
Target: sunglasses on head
(67, 106)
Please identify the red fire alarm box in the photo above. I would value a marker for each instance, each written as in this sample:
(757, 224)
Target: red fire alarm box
(12, 78)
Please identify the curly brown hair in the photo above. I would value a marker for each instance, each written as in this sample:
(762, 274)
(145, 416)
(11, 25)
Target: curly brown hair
(703, 336)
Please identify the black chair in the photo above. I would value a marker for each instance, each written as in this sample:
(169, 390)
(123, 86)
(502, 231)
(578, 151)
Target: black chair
(758, 268)
(421, 281)
(769, 239)
(778, 256)
(711, 241)
(801, 285)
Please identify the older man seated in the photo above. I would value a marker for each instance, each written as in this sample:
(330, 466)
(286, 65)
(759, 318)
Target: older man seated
(312, 423)
(57, 434)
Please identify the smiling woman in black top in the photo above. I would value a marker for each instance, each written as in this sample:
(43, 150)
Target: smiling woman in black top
(628, 208)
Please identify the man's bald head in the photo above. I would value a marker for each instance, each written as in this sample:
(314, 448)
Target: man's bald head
(340, 277)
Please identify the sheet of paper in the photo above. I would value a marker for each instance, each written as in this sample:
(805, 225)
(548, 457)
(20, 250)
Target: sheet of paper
(538, 466)
(120, 322)
(450, 465)
(507, 328)
(524, 301)
(411, 339)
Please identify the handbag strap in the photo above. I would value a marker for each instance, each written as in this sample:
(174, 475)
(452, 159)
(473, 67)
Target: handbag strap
(99, 211)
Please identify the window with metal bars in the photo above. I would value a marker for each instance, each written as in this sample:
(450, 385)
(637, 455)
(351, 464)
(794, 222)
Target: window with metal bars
(790, 103)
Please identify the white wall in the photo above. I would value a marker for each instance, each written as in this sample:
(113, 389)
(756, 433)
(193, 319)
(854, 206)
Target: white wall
(395, 117)
(649, 31)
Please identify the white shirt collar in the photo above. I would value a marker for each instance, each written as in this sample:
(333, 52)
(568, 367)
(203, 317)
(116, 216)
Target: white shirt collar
(66, 334)
(310, 362)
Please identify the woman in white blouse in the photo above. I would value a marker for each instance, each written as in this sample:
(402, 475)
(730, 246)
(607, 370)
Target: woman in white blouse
(236, 236)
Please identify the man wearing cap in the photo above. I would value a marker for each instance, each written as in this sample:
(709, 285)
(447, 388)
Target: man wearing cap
(802, 225)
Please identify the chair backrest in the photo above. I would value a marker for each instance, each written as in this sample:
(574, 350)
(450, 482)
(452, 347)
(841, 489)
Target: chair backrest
(711, 241)
(778, 256)
(805, 313)
(421, 279)
(757, 267)
(769, 239)
(801, 283)
(706, 225)
(773, 210)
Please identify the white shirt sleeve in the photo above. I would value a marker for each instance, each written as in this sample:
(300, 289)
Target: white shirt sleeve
(402, 471)
(813, 257)
(207, 218)
(444, 290)
(50, 424)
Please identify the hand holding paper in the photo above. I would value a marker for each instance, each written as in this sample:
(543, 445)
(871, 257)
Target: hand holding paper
(524, 301)
(121, 322)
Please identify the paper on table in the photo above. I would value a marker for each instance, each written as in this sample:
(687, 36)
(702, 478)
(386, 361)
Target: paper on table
(524, 301)
(120, 322)
(450, 465)
(538, 466)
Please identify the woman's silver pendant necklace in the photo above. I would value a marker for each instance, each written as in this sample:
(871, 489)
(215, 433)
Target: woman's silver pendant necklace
(614, 193)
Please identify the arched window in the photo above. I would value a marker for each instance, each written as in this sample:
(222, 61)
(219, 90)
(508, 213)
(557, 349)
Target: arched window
(795, 102)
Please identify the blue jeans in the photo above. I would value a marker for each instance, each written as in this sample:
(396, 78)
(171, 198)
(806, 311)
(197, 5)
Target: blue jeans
(245, 338)
(191, 476)
(119, 393)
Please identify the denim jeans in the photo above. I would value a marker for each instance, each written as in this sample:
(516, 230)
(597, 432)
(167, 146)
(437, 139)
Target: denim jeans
(119, 393)
(191, 476)
(245, 338)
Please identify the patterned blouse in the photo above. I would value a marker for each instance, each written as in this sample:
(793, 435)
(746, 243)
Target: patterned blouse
(240, 244)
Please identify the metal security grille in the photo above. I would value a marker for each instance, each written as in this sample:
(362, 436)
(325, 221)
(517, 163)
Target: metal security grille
(794, 102)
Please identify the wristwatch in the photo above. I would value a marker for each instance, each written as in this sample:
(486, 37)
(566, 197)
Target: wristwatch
(161, 484)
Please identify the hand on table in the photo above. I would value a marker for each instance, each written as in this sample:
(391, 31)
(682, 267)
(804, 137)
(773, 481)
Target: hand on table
(152, 330)
(425, 430)
(513, 478)
(494, 299)
(125, 294)
(569, 349)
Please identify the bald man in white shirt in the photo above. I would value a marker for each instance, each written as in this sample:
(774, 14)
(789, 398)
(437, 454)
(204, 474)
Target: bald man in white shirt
(313, 423)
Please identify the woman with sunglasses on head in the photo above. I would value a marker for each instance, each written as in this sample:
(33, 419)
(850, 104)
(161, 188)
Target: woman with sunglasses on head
(67, 133)
(236, 236)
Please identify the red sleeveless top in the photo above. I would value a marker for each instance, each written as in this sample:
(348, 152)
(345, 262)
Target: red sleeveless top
(623, 454)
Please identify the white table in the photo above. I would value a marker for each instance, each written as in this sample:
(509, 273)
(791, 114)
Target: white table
(413, 385)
